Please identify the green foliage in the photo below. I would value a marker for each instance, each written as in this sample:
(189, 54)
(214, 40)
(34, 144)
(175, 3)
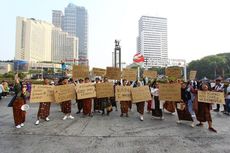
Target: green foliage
(211, 66)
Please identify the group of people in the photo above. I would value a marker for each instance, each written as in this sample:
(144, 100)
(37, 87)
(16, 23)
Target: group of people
(189, 108)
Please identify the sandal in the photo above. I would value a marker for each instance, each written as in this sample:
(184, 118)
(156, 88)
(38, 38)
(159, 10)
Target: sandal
(199, 124)
(212, 129)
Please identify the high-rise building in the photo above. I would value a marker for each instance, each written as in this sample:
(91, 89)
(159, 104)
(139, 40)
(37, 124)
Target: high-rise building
(57, 18)
(152, 40)
(64, 46)
(33, 40)
(75, 22)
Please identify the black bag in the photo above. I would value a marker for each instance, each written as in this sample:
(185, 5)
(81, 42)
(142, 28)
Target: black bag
(12, 101)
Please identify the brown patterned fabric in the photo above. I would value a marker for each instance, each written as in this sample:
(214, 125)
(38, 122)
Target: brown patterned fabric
(130, 104)
(140, 107)
(44, 110)
(19, 115)
(169, 106)
(203, 114)
(124, 106)
(184, 114)
(66, 107)
(87, 106)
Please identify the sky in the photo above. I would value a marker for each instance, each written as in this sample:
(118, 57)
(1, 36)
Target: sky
(196, 28)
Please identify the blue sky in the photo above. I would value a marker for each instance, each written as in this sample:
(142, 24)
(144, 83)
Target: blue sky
(196, 28)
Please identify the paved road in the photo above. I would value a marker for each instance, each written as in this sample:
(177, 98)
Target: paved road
(108, 134)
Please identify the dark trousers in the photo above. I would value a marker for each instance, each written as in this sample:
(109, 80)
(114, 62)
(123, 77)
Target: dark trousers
(218, 107)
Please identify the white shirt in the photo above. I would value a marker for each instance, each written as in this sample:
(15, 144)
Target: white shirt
(228, 91)
(155, 91)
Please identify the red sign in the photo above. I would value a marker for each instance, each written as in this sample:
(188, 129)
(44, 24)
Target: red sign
(138, 58)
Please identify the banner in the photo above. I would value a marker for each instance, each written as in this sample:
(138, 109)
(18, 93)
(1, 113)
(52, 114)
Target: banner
(192, 75)
(140, 94)
(129, 74)
(150, 74)
(85, 90)
(113, 73)
(42, 93)
(64, 93)
(80, 72)
(173, 72)
(99, 72)
(123, 93)
(170, 92)
(104, 90)
(211, 97)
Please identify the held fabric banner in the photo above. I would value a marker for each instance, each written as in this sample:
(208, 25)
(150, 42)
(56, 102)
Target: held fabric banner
(104, 90)
(42, 93)
(170, 92)
(113, 73)
(85, 90)
(140, 94)
(129, 74)
(80, 72)
(123, 93)
(64, 93)
(211, 97)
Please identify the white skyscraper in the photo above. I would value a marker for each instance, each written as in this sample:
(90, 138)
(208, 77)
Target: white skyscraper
(33, 40)
(75, 22)
(152, 40)
(64, 46)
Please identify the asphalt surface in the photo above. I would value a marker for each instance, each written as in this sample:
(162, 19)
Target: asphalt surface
(110, 134)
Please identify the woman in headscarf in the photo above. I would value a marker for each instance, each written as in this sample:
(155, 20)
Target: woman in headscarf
(87, 103)
(185, 110)
(44, 108)
(140, 105)
(156, 111)
(124, 104)
(20, 100)
(203, 110)
(66, 105)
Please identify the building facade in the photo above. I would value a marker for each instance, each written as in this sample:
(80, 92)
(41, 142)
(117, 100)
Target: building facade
(33, 40)
(57, 18)
(64, 46)
(152, 41)
(75, 22)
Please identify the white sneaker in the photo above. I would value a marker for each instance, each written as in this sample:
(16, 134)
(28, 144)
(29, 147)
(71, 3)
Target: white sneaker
(37, 122)
(162, 118)
(193, 125)
(178, 122)
(65, 117)
(22, 124)
(47, 119)
(18, 126)
(141, 118)
(70, 117)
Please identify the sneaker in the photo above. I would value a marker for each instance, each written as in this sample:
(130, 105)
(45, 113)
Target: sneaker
(37, 122)
(141, 118)
(65, 117)
(70, 117)
(193, 125)
(162, 118)
(47, 119)
(18, 126)
(178, 122)
(22, 124)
